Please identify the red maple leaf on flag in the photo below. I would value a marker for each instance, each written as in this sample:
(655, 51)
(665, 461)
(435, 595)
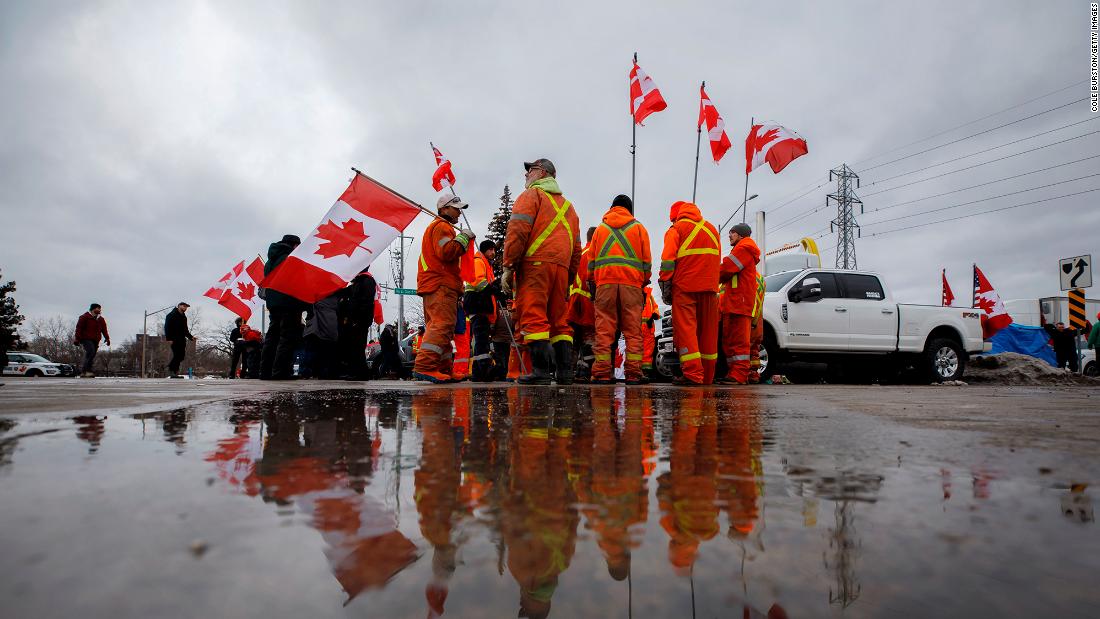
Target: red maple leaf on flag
(246, 291)
(342, 239)
(766, 138)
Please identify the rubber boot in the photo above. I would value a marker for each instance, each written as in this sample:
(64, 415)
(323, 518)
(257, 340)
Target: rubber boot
(563, 362)
(540, 364)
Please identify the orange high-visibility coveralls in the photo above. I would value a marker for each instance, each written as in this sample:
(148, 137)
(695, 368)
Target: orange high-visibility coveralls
(543, 247)
(461, 367)
(650, 314)
(439, 283)
(620, 267)
(738, 278)
(582, 313)
(690, 260)
(757, 338)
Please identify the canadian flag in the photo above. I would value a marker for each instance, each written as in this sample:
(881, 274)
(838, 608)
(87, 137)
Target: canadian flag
(359, 227)
(443, 176)
(774, 144)
(716, 127)
(994, 315)
(645, 99)
(378, 317)
(215, 291)
(947, 298)
(241, 296)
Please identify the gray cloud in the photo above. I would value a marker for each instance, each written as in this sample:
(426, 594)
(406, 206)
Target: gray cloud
(148, 147)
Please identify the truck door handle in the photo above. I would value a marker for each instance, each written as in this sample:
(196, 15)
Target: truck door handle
(840, 309)
(886, 311)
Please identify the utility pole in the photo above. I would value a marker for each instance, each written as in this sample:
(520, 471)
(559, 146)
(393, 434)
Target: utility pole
(845, 222)
(399, 281)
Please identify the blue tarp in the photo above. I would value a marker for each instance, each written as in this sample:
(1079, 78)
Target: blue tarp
(1032, 341)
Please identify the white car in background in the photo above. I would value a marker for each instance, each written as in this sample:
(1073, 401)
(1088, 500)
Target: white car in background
(31, 365)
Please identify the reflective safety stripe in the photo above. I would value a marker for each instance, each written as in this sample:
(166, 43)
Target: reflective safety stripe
(423, 263)
(581, 291)
(561, 338)
(736, 261)
(559, 219)
(684, 251)
(536, 432)
(668, 265)
(628, 259)
(691, 357)
(713, 357)
(542, 335)
(624, 261)
(684, 351)
(755, 363)
(462, 360)
(647, 366)
(606, 357)
(443, 241)
(432, 347)
(463, 240)
(737, 358)
(633, 357)
(481, 357)
(522, 217)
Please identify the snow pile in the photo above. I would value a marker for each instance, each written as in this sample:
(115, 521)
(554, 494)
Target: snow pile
(1012, 368)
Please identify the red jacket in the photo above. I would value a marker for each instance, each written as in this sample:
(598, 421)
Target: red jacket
(89, 327)
(738, 278)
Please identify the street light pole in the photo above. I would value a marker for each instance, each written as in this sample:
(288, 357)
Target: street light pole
(743, 206)
(145, 333)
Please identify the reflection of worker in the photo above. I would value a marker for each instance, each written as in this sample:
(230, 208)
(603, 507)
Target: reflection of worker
(687, 494)
(689, 281)
(738, 279)
(543, 249)
(740, 444)
(439, 283)
(540, 527)
(619, 268)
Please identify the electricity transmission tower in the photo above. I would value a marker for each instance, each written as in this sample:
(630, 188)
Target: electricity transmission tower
(845, 222)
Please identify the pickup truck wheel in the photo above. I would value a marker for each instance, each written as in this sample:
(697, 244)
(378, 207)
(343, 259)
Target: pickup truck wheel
(944, 360)
(32, 373)
(1092, 369)
(769, 358)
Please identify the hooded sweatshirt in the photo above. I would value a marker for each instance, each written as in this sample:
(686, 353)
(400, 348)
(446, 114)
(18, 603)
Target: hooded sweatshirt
(738, 277)
(620, 251)
(692, 252)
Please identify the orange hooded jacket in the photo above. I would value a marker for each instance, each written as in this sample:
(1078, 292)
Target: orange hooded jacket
(621, 251)
(738, 278)
(692, 252)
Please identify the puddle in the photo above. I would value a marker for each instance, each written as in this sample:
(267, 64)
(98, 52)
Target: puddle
(502, 502)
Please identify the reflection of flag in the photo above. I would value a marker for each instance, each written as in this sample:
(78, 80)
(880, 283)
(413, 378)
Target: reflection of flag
(359, 227)
(774, 144)
(241, 296)
(716, 127)
(645, 98)
(215, 291)
(994, 315)
(947, 298)
(443, 176)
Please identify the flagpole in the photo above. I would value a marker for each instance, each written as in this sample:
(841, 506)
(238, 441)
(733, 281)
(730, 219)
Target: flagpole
(422, 209)
(745, 204)
(452, 188)
(633, 144)
(698, 139)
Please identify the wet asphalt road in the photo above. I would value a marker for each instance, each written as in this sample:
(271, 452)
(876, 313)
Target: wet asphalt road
(239, 499)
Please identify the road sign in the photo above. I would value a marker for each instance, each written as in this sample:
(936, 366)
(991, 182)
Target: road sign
(408, 292)
(1075, 272)
(1077, 308)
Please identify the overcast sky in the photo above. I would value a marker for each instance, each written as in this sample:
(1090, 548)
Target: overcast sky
(147, 147)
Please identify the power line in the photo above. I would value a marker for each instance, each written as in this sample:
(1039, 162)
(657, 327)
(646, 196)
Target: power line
(801, 193)
(973, 135)
(995, 210)
(1003, 195)
(966, 124)
(999, 180)
(986, 150)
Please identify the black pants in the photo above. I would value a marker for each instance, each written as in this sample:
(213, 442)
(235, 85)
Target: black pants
(481, 356)
(90, 349)
(179, 347)
(284, 333)
(1067, 357)
(501, 350)
(250, 360)
(238, 353)
(353, 350)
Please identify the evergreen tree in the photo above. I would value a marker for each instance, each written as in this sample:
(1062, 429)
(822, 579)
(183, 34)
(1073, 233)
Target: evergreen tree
(10, 319)
(498, 228)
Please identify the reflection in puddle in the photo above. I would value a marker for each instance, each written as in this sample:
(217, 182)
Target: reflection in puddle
(586, 502)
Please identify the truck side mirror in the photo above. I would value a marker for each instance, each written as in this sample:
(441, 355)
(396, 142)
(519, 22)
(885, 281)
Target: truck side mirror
(794, 295)
(810, 290)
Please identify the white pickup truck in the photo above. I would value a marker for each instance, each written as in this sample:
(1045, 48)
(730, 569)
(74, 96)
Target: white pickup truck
(845, 318)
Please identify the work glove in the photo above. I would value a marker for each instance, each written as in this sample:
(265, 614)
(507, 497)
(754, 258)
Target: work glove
(666, 292)
(467, 233)
(506, 281)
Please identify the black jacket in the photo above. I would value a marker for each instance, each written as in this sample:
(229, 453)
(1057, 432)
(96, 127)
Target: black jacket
(357, 302)
(175, 326)
(1064, 341)
(276, 253)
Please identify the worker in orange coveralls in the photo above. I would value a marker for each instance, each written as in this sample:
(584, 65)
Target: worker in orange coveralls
(757, 338)
(619, 268)
(738, 282)
(582, 313)
(439, 283)
(542, 247)
(689, 283)
(650, 315)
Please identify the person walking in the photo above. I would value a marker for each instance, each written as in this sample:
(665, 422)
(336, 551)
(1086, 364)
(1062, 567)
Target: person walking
(439, 283)
(177, 335)
(738, 296)
(284, 330)
(689, 284)
(90, 329)
(542, 247)
(619, 270)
